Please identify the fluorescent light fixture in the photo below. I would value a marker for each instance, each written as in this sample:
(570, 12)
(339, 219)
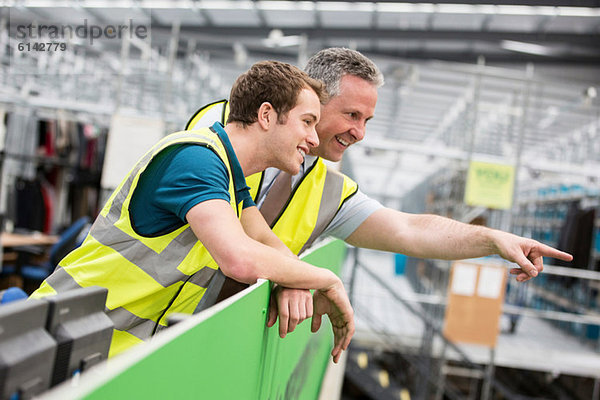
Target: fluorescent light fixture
(177, 4)
(286, 41)
(104, 4)
(396, 7)
(226, 5)
(277, 39)
(490, 9)
(345, 6)
(529, 48)
(286, 5)
(578, 12)
(47, 4)
(426, 8)
(502, 9)
(456, 9)
(406, 8)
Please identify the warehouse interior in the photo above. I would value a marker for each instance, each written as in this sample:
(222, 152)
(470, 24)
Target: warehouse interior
(505, 82)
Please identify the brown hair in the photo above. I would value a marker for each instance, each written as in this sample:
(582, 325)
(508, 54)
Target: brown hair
(274, 82)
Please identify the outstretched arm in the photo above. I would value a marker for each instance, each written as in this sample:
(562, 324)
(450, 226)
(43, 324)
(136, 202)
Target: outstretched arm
(432, 236)
(246, 260)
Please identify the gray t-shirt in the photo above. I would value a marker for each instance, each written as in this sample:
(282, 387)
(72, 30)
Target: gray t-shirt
(353, 212)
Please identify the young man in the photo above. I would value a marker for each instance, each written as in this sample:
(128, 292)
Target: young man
(184, 211)
(331, 204)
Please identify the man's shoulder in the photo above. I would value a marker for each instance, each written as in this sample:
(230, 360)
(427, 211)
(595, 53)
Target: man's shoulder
(196, 157)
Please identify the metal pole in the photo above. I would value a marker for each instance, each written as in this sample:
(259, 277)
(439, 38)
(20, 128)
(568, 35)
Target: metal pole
(473, 388)
(353, 275)
(475, 108)
(425, 354)
(439, 394)
(172, 55)
(489, 375)
(506, 221)
(522, 128)
(303, 50)
(124, 65)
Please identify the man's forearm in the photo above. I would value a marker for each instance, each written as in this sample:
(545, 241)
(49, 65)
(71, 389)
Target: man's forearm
(423, 235)
(256, 228)
(434, 236)
(265, 262)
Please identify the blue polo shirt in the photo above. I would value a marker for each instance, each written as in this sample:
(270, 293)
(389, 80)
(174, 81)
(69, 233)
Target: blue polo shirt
(180, 177)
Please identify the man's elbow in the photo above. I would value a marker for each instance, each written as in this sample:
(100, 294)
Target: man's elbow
(240, 269)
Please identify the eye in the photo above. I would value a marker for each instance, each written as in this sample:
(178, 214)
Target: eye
(353, 115)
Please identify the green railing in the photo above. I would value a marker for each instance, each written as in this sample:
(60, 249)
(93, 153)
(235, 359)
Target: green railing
(225, 352)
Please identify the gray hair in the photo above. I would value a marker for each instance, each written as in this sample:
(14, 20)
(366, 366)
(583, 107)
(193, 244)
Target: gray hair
(330, 65)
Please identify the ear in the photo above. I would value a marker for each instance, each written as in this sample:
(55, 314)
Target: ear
(266, 115)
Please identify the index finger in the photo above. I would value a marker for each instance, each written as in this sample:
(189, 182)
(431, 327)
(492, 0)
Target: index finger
(548, 251)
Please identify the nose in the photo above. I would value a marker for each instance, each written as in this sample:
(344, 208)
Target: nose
(358, 132)
(313, 138)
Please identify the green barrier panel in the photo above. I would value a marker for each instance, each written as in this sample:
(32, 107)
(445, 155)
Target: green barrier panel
(228, 355)
(298, 362)
(217, 359)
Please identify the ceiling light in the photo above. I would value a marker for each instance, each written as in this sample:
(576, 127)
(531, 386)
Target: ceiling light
(170, 4)
(286, 5)
(226, 5)
(277, 39)
(344, 6)
(578, 11)
(456, 9)
(529, 48)
(104, 4)
(46, 4)
(396, 7)
(591, 92)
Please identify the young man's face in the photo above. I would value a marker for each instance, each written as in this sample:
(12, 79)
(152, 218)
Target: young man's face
(344, 117)
(294, 138)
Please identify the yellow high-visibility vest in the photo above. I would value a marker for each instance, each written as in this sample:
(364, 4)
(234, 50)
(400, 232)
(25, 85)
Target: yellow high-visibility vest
(311, 206)
(147, 278)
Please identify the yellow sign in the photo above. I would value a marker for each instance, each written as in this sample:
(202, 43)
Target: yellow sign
(490, 185)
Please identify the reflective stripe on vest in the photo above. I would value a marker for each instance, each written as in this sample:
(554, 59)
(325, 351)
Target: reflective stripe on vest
(310, 208)
(148, 278)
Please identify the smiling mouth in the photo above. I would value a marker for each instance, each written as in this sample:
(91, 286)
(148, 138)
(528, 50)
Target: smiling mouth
(302, 152)
(342, 142)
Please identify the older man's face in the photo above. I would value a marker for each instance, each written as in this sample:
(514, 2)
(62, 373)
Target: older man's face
(344, 117)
